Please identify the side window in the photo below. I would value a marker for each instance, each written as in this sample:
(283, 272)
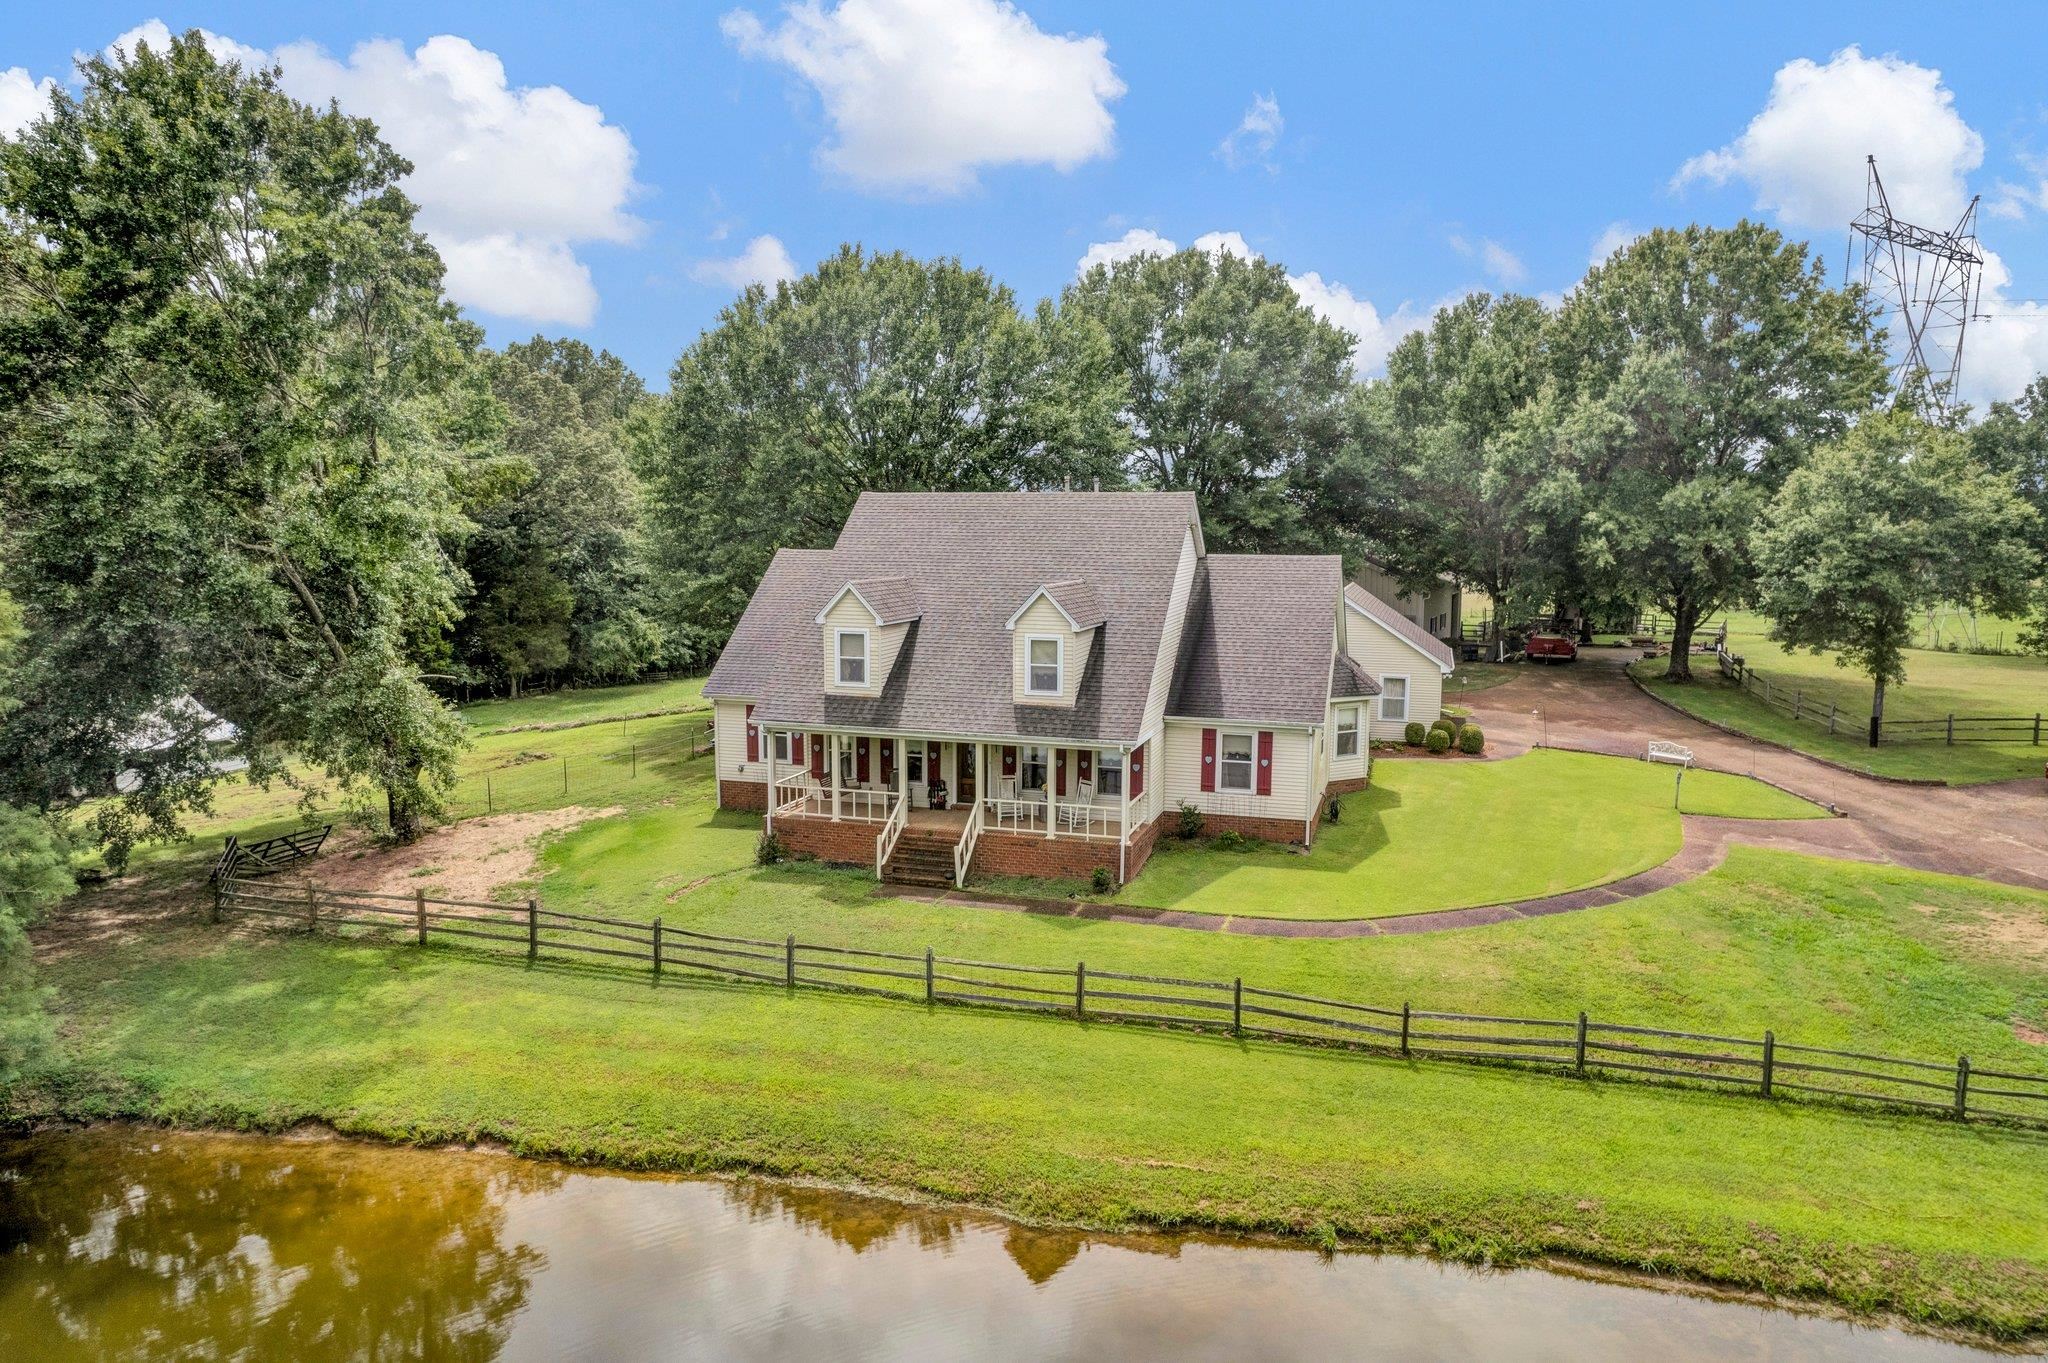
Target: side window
(853, 657)
(1042, 667)
(782, 748)
(1109, 772)
(1234, 762)
(1394, 698)
(1034, 768)
(1347, 731)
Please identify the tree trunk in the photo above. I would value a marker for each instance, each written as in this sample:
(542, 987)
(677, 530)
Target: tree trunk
(1876, 711)
(515, 686)
(1685, 618)
(405, 825)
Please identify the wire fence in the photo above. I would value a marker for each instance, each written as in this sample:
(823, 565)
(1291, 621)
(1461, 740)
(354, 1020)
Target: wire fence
(1580, 1046)
(535, 778)
(1793, 702)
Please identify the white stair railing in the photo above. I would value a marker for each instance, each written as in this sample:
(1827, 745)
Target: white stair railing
(963, 850)
(885, 841)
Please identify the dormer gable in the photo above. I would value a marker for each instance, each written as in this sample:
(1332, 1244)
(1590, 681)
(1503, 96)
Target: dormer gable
(864, 626)
(1052, 635)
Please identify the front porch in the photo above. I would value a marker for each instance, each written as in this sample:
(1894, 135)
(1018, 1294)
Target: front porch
(894, 801)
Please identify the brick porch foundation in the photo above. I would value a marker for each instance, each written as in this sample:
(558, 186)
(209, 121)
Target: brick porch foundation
(849, 842)
(742, 794)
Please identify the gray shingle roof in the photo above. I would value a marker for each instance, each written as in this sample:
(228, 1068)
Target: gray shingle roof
(1348, 679)
(974, 557)
(1401, 626)
(1079, 601)
(892, 599)
(1263, 627)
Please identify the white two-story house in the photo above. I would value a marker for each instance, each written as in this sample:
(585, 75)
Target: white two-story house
(1034, 683)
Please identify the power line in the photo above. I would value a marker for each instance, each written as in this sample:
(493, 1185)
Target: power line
(1926, 277)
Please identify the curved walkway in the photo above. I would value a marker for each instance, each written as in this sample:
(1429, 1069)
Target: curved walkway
(1993, 832)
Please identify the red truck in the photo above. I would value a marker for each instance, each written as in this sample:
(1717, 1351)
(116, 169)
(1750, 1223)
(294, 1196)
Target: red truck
(1551, 648)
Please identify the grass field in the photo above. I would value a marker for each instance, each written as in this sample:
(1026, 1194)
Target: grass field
(1114, 1126)
(1434, 835)
(581, 706)
(1938, 683)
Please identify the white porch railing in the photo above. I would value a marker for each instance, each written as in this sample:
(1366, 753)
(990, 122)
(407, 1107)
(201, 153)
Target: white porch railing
(815, 801)
(1059, 818)
(791, 792)
(885, 841)
(963, 850)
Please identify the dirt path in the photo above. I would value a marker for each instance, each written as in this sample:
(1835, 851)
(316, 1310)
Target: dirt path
(1994, 832)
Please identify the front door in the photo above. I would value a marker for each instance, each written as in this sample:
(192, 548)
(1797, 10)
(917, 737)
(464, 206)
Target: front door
(963, 763)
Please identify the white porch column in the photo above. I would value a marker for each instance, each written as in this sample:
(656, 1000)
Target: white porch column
(902, 747)
(1123, 811)
(980, 772)
(768, 811)
(834, 755)
(1052, 757)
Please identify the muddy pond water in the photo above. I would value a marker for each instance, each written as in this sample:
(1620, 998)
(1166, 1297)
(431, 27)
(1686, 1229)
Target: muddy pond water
(120, 1243)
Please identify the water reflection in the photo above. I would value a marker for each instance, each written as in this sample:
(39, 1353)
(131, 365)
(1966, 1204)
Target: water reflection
(126, 1244)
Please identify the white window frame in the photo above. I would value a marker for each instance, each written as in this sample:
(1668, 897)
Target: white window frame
(1059, 665)
(1406, 695)
(840, 660)
(1344, 713)
(1109, 760)
(782, 748)
(1250, 762)
(1034, 755)
(913, 763)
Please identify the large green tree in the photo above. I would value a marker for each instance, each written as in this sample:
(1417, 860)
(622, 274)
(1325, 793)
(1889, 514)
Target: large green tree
(1231, 388)
(1723, 359)
(2013, 440)
(872, 372)
(233, 406)
(1895, 517)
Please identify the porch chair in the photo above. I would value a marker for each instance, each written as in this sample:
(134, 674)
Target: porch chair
(1075, 814)
(1005, 802)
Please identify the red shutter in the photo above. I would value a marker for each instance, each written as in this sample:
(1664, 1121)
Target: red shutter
(1137, 771)
(1084, 765)
(1059, 771)
(889, 762)
(860, 760)
(817, 757)
(1265, 761)
(931, 762)
(1208, 759)
(796, 752)
(1009, 761)
(753, 737)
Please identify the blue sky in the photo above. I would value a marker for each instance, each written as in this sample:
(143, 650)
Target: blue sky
(602, 172)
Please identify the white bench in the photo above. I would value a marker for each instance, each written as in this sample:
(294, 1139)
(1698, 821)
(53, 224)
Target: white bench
(1677, 754)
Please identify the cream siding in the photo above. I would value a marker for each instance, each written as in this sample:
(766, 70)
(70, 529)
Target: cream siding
(729, 729)
(1043, 620)
(1383, 653)
(884, 643)
(1169, 644)
(1293, 759)
(1359, 764)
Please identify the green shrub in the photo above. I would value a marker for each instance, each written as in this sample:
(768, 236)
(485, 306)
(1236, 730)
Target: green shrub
(1230, 840)
(1445, 724)
(1415, 733)
(769, 851)
(1439, 740)
(1101, 881)
(1189, 825)
(1471, 740)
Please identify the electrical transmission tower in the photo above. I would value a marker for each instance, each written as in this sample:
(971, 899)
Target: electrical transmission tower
(1926, 282)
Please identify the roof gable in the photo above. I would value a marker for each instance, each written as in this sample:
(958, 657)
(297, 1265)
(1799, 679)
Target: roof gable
(891, 600)
(1263, 633)
(1400, 626)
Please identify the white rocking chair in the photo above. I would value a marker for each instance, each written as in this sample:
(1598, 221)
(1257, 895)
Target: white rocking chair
(1078, 813)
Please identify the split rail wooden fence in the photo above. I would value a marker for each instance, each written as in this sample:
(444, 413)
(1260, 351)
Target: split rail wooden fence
(1581, 1046)
(1951, 729)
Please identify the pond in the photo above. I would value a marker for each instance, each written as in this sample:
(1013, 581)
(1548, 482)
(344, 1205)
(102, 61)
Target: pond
(121, 1243)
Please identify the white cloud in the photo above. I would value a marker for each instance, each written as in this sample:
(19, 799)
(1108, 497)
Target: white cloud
(764, 261)
(1251, 142)
(2006, 347)
(1376, 334)
(1139, 241)
(509, 180)
(1497, 260)
(1611, 239)
(22, 100)
(1803, 155)
(923, 94)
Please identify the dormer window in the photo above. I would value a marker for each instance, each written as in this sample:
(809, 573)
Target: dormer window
(853, 657)
(1043, 665)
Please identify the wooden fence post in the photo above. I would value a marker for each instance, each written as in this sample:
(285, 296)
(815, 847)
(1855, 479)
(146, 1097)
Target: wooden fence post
(1831, 716)
(565, 776)
(1951, 728)
(1579, 1051)
(312, 908)
(2037, 728)
(1962, 1087)
(532, 929)
(789, 961)
(1404, 1029)
(490, 805)
(1080, 989)
(1770, 1061)
(1237, 1007)
(657, 948)
(928, 992)
(419, 913)
(635, 749)
(1798, 704)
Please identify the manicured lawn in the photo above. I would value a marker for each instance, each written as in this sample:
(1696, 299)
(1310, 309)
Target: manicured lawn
(586, 704)
(1938, 683)
(1471, 677)
(1448, 834)
(1109, 1125)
